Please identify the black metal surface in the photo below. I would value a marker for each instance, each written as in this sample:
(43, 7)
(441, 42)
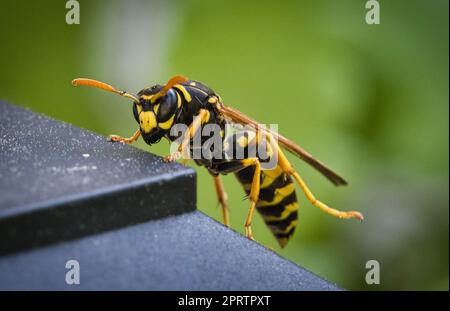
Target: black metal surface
(185, 252)
(60, 182)
(117, 219)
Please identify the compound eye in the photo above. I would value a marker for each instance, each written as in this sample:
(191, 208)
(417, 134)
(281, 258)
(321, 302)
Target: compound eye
(136, 112)
(167, 107)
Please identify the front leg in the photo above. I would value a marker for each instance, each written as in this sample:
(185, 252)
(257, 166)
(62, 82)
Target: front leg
(197, 122)
(129, 140)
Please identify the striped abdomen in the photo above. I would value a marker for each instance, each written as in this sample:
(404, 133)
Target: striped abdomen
(277, 202)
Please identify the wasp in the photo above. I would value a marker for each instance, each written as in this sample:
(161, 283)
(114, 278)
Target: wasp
(271, 191)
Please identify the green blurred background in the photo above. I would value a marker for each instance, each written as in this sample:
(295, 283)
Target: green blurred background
(371, 101)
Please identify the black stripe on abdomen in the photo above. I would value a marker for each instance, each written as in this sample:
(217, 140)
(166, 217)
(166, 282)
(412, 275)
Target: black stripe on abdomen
(281, 216)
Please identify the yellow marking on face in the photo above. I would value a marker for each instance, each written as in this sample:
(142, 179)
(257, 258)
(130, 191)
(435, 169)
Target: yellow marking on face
(139, 109)
(186, 94)
(288, 209)
(166, 125)
(192, 84)
(146, 97)
(147, 120)
(155, 108)
(178, 100)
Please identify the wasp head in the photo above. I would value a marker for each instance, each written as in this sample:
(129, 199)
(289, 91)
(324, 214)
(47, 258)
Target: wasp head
(154, 113)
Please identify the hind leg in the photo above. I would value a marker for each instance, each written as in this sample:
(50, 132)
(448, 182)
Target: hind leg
(222, 197)
(236, 165)
(254, 194)
(287, 167)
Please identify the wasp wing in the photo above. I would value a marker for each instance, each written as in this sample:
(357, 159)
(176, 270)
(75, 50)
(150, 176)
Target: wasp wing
(238, 117)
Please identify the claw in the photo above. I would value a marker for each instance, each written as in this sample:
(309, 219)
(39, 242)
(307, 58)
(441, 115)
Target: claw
(351, 214)
(114, 138)
(248, 233)
(357, 215)
(118, 139)
(172, 157)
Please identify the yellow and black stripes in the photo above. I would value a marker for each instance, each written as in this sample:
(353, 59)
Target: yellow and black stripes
(277, 201)
(157, 114)
(268, 185)
(193, 103)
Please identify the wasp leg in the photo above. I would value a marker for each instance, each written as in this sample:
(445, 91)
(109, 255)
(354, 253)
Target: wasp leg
(222, 196)
(287, 167)
(254, 194)
(236, 165)
(199, 119)
(129, 140)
